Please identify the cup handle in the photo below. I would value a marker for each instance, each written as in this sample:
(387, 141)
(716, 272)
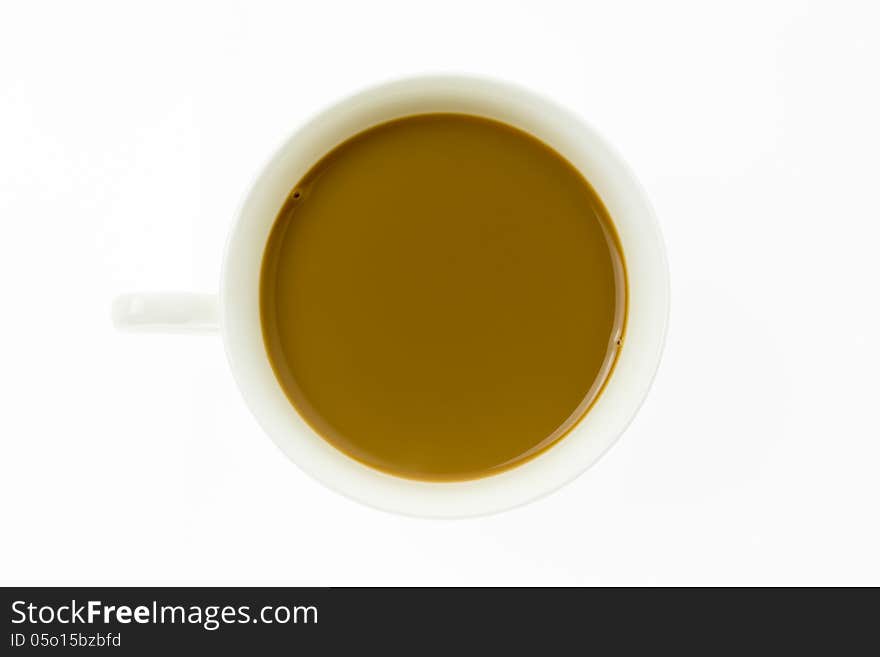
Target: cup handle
(172, 312)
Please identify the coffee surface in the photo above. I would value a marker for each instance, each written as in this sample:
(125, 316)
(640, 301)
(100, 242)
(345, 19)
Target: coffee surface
(442, 297)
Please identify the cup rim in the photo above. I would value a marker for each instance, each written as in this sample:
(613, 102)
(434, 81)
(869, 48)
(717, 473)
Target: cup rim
(648, 291)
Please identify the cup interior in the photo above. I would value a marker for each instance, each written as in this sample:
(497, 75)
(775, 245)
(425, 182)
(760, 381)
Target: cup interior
(648, 294)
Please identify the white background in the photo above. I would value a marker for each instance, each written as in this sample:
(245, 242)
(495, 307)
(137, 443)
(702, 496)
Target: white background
(128, 134)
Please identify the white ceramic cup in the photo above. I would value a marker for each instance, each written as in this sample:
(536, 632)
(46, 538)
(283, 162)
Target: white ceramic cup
(235, 312)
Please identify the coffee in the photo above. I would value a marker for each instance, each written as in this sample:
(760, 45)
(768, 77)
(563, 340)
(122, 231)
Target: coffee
(443, 297)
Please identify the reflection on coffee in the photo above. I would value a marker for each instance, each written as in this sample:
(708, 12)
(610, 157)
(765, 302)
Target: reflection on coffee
(443, 297)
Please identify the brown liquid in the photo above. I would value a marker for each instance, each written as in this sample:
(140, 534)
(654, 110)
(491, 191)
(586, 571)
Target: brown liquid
(442, 297)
